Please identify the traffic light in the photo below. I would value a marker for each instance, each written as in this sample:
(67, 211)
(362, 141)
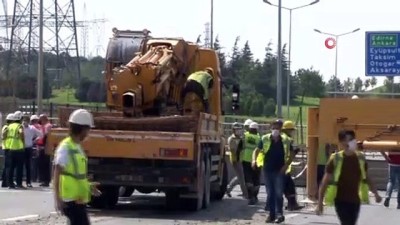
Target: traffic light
(235, 97)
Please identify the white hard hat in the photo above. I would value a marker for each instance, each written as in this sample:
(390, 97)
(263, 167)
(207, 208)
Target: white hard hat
(18, 115)
(248, 122)
(34, 117)
(236, 125)
(354, 97)
(10, 116)
(253, 125)
(81, 117)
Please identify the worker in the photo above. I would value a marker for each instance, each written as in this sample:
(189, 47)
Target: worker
(247, 124)
(31, 135)
(72, 189)
(251, 176)
(43, 158)
(274, 154)
(348, 189)
(34, 120)
(5, 147)
(200, 83)
(236, 145)
(393, 159)
(289, 190)
(15, 136)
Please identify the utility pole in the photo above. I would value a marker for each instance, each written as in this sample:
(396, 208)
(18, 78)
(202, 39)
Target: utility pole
(290, 47)
(212, 25)
(40, 63)
(279, 64)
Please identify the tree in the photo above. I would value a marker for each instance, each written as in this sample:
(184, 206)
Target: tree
(373, 82)
(310, 83)
(367, 83)
(358, 85)
(334, 82)
(348, 85)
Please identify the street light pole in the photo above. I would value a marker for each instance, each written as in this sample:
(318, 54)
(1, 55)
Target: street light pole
(336, 50)
(279, 63)
(290, 48)
(212, 24)
(39, 85)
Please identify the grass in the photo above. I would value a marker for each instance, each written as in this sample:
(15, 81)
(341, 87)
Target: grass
(67, 96)
(294, 111)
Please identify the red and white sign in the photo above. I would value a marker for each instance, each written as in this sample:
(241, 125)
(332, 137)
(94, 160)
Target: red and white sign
(330, 43)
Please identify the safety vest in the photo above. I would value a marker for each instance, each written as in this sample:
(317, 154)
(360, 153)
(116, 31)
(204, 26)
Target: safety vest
(266, 139)
(251, 141)
(74, 184)
(233, 155)
(331, 191)
(4, 141)
(14, 140)
(202, 78)
(289, 169)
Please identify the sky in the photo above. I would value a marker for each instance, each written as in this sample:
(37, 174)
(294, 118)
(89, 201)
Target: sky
(257, 22)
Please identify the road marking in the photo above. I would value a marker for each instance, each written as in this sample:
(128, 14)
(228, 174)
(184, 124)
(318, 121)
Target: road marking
(21, 218)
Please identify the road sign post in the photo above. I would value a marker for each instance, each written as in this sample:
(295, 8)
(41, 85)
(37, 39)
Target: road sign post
(382, 53)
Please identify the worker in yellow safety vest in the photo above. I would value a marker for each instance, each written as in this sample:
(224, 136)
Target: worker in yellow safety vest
(72, 189)
(236, 145)
(251, 176)
(274, 154)
(5, 147)
(15, 141)
(289, 190)
(346, 182)
(247, 124)
(200, 83)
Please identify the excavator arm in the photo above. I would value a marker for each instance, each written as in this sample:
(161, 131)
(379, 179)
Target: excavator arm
(152, 81)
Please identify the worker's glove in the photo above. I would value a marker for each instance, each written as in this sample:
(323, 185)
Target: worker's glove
(94, 190)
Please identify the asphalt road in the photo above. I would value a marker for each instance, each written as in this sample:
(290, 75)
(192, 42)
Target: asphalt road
(36, 207)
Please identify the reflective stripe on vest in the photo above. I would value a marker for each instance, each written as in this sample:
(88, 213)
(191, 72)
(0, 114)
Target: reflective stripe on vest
(267, 144)
(14, 140)
(202, 78)
(74, 184)
(251, 141)
(331, 191)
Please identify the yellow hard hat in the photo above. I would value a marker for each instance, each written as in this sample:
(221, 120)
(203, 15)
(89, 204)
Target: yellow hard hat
(288, 125)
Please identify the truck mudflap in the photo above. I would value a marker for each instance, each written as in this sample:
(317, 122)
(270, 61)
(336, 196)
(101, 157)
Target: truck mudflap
(131, 144)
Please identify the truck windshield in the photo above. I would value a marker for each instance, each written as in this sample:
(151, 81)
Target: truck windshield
(122, 49)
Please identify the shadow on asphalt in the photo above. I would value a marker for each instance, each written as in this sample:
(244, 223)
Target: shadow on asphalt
(153, 207)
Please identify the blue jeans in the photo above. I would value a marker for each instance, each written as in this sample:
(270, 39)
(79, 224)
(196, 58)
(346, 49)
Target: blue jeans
(394, 175)
(274, 187)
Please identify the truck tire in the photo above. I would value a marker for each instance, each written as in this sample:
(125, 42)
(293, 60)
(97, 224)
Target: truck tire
(219, 194)
(195, 204)
(126, 191)
(107, 199)
(207, 184)
(172, 200)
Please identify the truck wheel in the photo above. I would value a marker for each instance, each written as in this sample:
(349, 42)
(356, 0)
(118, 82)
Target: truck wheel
(172, 200)
(207, 184)
(219, 194)
(126, 191)
(195, 204)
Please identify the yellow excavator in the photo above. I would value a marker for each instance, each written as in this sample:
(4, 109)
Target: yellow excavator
(151, 140)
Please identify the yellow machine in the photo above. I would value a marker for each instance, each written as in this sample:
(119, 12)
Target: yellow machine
(149, 143)
(375, 121)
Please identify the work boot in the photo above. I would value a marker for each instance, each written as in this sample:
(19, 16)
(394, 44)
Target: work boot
(293, 205)
(386, 202)
(280, 219)
(270, 219)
